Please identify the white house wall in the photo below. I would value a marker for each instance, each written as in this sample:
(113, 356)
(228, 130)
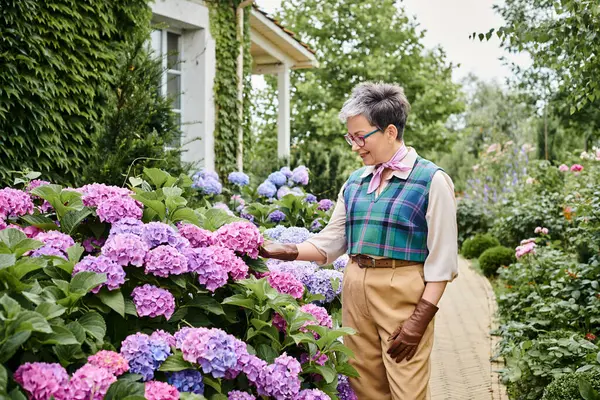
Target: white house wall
(198, 74)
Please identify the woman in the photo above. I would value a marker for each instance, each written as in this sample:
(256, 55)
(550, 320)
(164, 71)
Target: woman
(396, 218)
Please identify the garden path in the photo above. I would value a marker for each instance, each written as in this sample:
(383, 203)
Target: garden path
(461, 366)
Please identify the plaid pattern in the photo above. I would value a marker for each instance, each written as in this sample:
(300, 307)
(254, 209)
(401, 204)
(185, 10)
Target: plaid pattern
(392, 225)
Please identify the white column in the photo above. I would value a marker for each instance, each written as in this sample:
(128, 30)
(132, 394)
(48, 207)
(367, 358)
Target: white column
(283, 120)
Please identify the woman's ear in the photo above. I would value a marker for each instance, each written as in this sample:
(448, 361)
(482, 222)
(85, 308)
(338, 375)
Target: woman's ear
(392, 133)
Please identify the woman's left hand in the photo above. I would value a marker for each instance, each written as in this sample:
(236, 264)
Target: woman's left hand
(407, 336)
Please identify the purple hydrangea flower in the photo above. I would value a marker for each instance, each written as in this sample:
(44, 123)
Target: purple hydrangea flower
(247, 216)
(286, 171)
(115, 363)
(144, 354)
(96, 193)
(286, 283)
(239, 178)
(320, 314)
(115, 275)
(300, 175)
(275, 232)
(237, 395)
(42, 380)
(180, 336)
(164, 261)
(14, 203)
(126, 225)
(197, 237)
(213, 349)
(58, 240)
(155, 390)
(153, 301)
(159, 334)
(283, 191)
(241, 237)
(277, 178)
(345, 392)
(267, 189)
(325, 205)
(117, 208)
(310, 198)
(276, 216)
(319, 358)
(188, 380)
(125, 248)
(321, 283)
(211, 264)
(157, 233)
(252, 368)
(302, 270)
(48, 251)
(340, 263)
(89, 383)
(280, 380)
(93, 244)
(294, 235)
(316, 225)
(312, 394)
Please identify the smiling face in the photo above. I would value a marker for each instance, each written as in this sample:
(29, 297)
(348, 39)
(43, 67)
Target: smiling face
(379, 147)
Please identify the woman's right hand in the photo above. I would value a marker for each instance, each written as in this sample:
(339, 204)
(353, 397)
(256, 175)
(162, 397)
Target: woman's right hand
(280, 251)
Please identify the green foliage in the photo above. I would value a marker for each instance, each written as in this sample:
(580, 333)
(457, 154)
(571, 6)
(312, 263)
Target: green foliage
(390, 50)
(493, 258)
(139, 123)
(223, 27)
(472, 219)
(476, 245)
(567, 386)
(58, 57)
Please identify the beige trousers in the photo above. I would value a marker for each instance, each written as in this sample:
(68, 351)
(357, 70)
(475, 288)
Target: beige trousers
(374, 302)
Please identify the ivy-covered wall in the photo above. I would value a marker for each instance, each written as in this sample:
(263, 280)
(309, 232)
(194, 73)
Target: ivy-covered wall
(223, 27)
(58, 57)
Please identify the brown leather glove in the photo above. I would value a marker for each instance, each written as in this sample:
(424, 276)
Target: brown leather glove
(280, 251)
(407, 336)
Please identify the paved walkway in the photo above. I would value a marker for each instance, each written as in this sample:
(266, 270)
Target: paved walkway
(461, 367)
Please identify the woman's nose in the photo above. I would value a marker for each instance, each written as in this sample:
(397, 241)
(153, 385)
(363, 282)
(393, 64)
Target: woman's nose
(355, 147)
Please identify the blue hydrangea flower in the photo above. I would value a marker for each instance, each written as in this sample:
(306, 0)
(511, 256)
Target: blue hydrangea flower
(267, 189)
(286, 171)
(204, 174)
(277, 178)
(310, 198)
(276, 216)
(274, 233)
(144, 354)
(239, 178)
(189, 380)
(340, 263)
(321, 283)
(294, 235)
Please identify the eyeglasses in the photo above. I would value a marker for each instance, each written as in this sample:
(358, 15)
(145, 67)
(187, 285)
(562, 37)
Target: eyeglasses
(359, 140)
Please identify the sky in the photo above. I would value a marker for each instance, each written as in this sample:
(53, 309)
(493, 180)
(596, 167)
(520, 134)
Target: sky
(449, 23)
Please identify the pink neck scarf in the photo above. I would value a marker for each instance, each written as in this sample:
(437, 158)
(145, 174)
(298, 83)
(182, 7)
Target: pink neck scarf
(394, 164)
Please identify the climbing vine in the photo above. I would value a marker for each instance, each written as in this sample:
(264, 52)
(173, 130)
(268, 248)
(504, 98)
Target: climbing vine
(223, 27)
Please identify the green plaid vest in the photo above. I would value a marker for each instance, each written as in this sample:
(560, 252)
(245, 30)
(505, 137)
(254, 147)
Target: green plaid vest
(392, 225)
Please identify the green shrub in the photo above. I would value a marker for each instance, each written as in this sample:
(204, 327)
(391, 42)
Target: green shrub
(58, 60)
(473, 247)
(495, 257)
(471, 218)
(566, 387)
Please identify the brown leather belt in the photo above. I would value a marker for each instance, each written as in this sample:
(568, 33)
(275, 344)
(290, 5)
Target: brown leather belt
(365, 261)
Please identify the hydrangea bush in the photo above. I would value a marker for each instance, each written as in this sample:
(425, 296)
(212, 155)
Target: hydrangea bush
(130, 292)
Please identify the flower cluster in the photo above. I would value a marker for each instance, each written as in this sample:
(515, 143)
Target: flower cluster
(280, 380)
(14, 203)
(277, 178)
(213, 349)
(294, 235)
(325, 204)
(213, 263)
(527, 246)
(241, 237)
(276, 216)
(345, 392)
(144, 354)
(312, 394)
(155, 390)
(113, 362)
(164, 261)
(275, 233)
(238, 178)
(323, 281)
(543, 231)
(126, 225)
(94, 194)
(89, 382)
(153, 301)
(300, 175)
(319, 313)
(197, 237)
(341, 262)
(286, 283)
(319, 358)
(42, 381)
(125, 249)
(237, 395)
(116, 208)
(115, 275)
(576, 168)
(267, 189)
(157, 233)
(55, 244)
(189, 380)
(207, 182)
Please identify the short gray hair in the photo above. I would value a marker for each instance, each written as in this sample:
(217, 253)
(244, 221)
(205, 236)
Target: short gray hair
(380, 103)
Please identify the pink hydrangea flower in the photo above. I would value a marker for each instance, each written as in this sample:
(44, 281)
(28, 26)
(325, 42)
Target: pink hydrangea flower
(242, 237)
(213, 263)
(115, 275)
(96, 193)
(563, 168)
(90, 383)
(42, 380)
(280, 379)
(155, 390)
(31, 231)
(312, 394)
(279, 322)
(164, 261)
(197, 237)
(125, 249)
(152, 301)
(165, 336)
(286, 283)
(320, 314)
(117, 208)
(576, 168)
(14, 203)
(110, 360)
(238, 395)
(56, 239)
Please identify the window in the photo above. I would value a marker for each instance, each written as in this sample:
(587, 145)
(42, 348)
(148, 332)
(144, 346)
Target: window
(167, 45)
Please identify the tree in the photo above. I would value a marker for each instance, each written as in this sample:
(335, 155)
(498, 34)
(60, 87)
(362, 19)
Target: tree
(371, 40)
